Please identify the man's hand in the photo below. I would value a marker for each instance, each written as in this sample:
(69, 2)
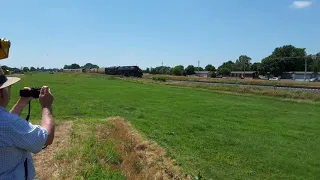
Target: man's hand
(24, 100)
(45, 97)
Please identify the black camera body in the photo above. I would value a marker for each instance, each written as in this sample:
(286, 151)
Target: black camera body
(34, 92)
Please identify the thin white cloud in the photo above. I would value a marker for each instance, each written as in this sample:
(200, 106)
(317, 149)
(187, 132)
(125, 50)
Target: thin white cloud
(300, 4)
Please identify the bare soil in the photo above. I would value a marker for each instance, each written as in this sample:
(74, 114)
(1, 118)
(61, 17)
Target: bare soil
(143, 159)
(44, 161)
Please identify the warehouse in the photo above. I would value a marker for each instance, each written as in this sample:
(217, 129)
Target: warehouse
(203, 73)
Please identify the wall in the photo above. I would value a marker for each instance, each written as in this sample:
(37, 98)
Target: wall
(301, 76)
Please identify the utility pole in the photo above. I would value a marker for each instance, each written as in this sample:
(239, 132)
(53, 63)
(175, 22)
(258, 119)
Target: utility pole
(305, 68)
(198, 68)
(244, 69)
(162, 63)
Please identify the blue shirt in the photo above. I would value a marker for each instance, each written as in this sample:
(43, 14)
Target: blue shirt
(18, 139)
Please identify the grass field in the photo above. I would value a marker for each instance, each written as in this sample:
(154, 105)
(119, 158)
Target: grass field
(223, 136)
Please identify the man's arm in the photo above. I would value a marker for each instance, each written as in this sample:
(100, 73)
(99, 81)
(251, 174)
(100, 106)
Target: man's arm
(26, 135)
(46, 100)
(48, 123)
(22, 102)
(18, 108)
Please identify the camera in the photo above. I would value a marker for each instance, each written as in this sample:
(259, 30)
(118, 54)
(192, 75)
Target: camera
(4, 48)
(34, 92)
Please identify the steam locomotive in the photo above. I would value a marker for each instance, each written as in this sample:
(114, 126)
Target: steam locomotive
(127, 71)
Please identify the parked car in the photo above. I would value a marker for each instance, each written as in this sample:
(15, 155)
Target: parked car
(274, 79)
(314, 79)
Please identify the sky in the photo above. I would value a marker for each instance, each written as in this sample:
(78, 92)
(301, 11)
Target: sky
(148, 33)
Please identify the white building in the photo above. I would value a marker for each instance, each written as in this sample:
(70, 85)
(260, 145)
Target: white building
(203, 73)
(299, 75)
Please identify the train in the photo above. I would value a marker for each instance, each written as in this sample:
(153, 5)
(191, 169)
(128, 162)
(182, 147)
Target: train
(133, 71)
(80, 70)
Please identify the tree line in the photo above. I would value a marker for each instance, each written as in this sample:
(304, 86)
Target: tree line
(283, 59)
(42, 69)
(28, 69)
(77, 66)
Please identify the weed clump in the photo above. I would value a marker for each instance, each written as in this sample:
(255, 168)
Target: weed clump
(162, 79)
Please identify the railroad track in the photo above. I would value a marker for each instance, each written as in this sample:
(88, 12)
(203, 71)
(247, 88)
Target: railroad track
(280, 87)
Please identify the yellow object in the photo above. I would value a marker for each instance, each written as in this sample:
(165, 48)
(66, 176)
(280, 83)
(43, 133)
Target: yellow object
(101, 70)
(4, 48)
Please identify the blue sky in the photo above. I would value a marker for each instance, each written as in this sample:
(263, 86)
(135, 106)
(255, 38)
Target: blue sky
(148, 32)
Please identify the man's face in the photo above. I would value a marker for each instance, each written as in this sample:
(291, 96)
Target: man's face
(5, 96)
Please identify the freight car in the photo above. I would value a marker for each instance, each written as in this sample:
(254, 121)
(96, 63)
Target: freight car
(101, 70)
(92, 70)
(74, 70)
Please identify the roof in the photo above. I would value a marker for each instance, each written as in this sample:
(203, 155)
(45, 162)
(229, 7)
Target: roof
(202, 72)
(241, 72)
(300, 72)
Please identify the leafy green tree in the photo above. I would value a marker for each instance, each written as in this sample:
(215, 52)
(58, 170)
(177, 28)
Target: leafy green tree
(256, 66)
(213, 74)
(198, 69)
(226, 68)
(72, 66)
(25, 69)
(190, 70)
(178, 70)
(32, 69)
(210, 67)
(243, 63)
(224, 71)
(284, 59)
(316, 63)
(90, 65)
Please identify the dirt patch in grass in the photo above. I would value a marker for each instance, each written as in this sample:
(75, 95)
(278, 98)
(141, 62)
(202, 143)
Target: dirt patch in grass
(139, 158)
(142, 159)
(44, 161)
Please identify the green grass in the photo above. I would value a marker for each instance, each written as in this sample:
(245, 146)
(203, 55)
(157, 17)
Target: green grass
(88, 157)
(223, 136)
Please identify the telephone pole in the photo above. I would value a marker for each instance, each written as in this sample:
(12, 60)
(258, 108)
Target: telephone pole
(198, 68)
(162, 63)
(305, 68)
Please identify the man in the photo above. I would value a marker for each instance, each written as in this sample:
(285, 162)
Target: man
(18, 137)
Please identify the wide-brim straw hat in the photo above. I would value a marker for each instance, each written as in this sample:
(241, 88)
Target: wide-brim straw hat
(6, 81)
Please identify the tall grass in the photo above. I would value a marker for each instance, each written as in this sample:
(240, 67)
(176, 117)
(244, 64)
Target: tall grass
(238, 81)
(272, 92)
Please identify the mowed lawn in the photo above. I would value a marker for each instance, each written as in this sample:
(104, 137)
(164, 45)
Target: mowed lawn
(223, 136)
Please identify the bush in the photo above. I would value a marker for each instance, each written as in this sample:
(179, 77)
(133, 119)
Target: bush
(163, 79)
(213, 74)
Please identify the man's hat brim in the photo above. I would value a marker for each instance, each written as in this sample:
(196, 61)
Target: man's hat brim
(10, 81)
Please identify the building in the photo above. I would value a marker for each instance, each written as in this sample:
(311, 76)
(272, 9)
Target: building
(299, 75)
(244, 74)
(203, 73)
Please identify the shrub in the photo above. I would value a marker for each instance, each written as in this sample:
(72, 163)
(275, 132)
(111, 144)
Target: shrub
(163, 79)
